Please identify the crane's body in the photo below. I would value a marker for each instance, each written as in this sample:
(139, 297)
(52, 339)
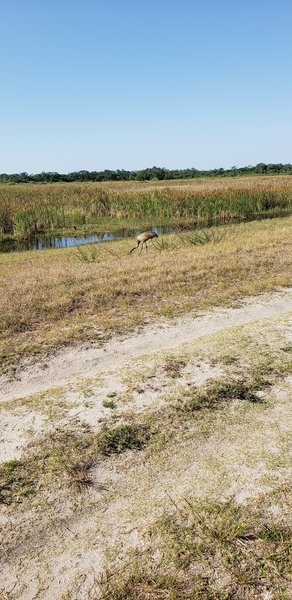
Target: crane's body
(143, 238)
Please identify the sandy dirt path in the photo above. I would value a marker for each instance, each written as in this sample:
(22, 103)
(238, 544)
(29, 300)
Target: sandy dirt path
(59, 543)
(71, 363)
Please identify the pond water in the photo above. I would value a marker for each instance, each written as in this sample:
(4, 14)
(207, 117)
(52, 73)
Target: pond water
(64, 241)
(68, 241)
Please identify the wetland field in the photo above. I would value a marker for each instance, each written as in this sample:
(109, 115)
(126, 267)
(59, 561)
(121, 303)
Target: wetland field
(145, 398)
(27, 210)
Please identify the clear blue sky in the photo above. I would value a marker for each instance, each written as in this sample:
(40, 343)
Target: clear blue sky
(97, 84)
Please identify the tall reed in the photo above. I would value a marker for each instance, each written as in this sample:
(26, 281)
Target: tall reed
(30, 209)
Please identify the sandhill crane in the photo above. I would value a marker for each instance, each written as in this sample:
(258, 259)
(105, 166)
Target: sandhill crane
(143, 238)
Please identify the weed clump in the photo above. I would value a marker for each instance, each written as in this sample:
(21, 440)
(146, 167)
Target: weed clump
(122, 438)
(109, 404)
(217, 393)
(172, 367)
(88, 255)
(200, 237)
(16, 482)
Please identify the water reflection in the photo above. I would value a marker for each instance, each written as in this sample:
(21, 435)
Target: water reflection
(64, 241)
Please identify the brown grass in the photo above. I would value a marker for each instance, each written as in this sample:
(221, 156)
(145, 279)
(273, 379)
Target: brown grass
(51, 298)
(273, 182)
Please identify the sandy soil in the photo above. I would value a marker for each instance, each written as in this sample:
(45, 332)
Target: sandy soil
(58, 545)
(72, 363)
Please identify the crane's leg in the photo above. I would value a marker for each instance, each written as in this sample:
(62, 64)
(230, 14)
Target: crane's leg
(135, 247)
(146, 247)
(141, 248)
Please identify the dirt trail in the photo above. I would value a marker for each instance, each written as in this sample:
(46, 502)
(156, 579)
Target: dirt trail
(71, 363)
(59, 543)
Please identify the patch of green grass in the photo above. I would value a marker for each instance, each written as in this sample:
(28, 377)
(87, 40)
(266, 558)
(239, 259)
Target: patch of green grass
(213, 395)
(123, 437)
(209, 551)
(16, 482)
(199, 527)
(66, 457)
(287, 348)
(109, 404)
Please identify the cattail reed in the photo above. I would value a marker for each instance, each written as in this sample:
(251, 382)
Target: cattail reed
(30, 209)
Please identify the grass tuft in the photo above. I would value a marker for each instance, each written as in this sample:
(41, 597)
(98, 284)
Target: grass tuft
(216, 393)
(88, 255)
(109, 404)
(200, 237)
(209, 550)
(123, 437)
(66, 457)
(16, 482)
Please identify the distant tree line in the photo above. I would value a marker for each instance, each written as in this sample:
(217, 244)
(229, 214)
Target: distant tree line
(145, 174)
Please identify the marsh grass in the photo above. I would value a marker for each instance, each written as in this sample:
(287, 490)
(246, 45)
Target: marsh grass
(205, 550)
(27, 209)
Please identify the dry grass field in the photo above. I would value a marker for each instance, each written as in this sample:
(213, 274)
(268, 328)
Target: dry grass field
(57, 297)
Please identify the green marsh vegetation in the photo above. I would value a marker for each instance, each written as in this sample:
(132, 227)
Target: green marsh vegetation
(27, 210)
